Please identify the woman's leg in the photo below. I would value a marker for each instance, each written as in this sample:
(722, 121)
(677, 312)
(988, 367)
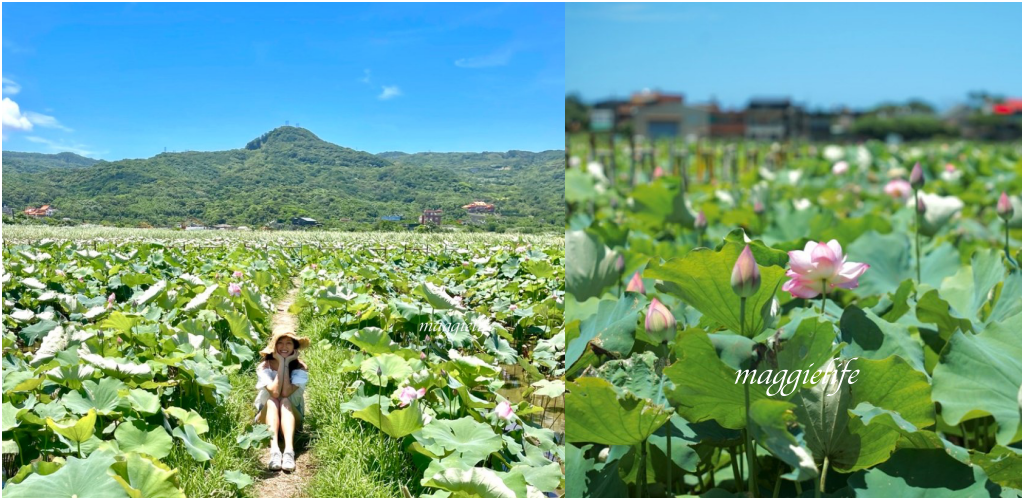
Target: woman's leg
(288, 424)
(274, 422)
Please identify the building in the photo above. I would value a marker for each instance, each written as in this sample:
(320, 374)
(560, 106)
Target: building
(479, 207)
(304, 222)
(43, 211)
(223, 227)
(773, 120)
(431, 217)
(8, 211)
(726, 124)
(819, 125)
(478, 218)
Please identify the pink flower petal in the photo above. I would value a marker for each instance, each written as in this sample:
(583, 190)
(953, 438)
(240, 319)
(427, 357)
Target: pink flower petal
(800, 262)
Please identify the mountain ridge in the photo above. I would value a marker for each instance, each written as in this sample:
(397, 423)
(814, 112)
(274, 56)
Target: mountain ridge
(290, 172)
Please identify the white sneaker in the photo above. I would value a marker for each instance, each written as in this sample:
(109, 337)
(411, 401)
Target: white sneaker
(288, 463)
(275, 461)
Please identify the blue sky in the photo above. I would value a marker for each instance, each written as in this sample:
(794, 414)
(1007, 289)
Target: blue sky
(818, 54)
(117, 81)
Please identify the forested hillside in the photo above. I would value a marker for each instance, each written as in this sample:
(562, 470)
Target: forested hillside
(290, 172)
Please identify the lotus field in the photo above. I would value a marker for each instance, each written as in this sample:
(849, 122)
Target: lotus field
(757, 320)
(127, 356)
(458, 356)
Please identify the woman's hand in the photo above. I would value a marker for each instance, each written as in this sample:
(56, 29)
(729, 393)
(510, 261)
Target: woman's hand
(292, 357)
(278, 357)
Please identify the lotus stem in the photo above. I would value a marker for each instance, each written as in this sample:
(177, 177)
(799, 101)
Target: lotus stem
(821, 484)
(748, 431)
(736, 474)
(917, 235)
(1006, 240)
(824, 292)
(643, 469)
(668, 448)
(778, 483)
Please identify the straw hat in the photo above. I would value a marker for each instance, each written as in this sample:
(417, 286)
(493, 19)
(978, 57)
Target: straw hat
(302, 342)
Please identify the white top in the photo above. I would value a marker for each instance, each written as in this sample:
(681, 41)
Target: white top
(266, 375)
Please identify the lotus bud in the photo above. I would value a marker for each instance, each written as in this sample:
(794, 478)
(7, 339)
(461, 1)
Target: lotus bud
(920, 205)
(660, 323)
(746, 278)
(758, 207)
(636, 284)
(380, 372)
(917, 176)
(1004, 208)
(423, 355)
(701, 222)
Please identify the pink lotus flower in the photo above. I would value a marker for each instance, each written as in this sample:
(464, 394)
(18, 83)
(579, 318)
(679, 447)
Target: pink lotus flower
(423, 356)
(238, 275)
(899, 188)
(111, 298)
(312, 266)
(840, 168)
(1004, 208)
(60, 273)
(513, 307)
(660, 323)
(504, 411)
(821, 267)
(746, 277)
(408, 395)
(950, 168)
(636, 284)
(234, 289)
(701, 222)
(658, 172)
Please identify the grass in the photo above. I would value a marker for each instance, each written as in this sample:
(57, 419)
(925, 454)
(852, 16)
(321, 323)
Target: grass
(227, 422)
(353, 459)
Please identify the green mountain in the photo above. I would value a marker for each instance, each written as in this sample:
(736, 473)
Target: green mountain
(290, 172)
(27, 163)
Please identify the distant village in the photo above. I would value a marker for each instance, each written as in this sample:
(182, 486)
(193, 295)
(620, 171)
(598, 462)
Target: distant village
(657, 115)
(476, 213)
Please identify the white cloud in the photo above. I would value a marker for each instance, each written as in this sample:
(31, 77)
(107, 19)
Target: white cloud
(366, 77)
(389, 92)
(499, 57)
(13, 119)
(45, 121)
(11, 87)
(60, 146)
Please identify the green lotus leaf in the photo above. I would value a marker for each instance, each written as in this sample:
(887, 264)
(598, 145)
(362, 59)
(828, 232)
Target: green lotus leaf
(469, 370)
(969, 290)
(76, 430)
(636, 375)
(143, 401)
(147, 477)
(980, 375)
(240, 327)
(549, 388)
(923, 473)
(373, 340)
(589, 267)
(11, 414)
(255, 437)
(101, 396)
(391, 366)
(35, 468)
(207, 377)
(189, 417)
(539, 268)
(78, 478)
(477, 482)
(771, 422)
(892, 385)
(240, 479)
(891, 259)
(199, 449)
(830, 432)
(141, 437)
(30, 334)
(397, 424)
(1002, 465)
(660, 202)
(120, 322)
(704, 387)
(596, 413)
(436, 296)
(466, 438)
(547, 478)
(871, 337)
(612, 329)
(702, 278)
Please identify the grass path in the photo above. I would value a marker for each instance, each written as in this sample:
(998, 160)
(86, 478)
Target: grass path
(281, 484)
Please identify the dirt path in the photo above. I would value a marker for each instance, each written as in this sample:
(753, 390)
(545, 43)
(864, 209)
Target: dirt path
(281, 484)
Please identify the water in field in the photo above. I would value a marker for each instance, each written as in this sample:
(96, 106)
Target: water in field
(553, 416)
